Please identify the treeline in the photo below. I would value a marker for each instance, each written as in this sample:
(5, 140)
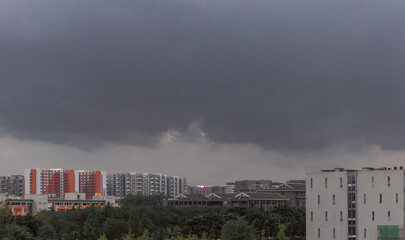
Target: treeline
(142, 218)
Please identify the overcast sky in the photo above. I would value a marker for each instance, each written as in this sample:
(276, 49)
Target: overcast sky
(211, 90)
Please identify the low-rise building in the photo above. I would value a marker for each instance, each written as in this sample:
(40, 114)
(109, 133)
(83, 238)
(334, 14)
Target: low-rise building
(294, 191)
(264, 200)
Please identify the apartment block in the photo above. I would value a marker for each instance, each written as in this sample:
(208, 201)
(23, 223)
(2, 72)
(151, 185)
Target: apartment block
(56, 182)
(122, 184)
(13, 185)
(355, 204)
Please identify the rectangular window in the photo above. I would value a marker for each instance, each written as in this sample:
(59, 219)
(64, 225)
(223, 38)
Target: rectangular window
(333, 199)
(341, 216)
(388, 181)
(319, 233)
(364, 198)
(312, 182)
(319, 199)
(396, 197)
(341, 182)
(380, 198)
(312, 216)
(372, 181)
(372, 216)
(334, 233)
(326, 182)
(389, 214)
(326, 216)
(365, 233)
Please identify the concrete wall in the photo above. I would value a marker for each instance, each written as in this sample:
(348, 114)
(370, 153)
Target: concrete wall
(326, 204)
(372, 191)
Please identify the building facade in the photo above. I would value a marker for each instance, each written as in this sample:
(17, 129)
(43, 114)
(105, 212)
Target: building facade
(355, 204)
(13, 185)
(294, 191)
(262, 200)
(56, 182)
(122, 184)
(252, 185)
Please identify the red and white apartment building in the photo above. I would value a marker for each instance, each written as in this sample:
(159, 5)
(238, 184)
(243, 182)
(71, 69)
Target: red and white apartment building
(55, 182)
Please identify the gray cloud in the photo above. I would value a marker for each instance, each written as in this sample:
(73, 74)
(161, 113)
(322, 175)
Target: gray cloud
(284, 75)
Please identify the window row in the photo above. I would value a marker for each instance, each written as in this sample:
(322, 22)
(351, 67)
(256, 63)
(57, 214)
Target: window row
(351, 232)
(364, 198)
(351, 215)
(341, 182)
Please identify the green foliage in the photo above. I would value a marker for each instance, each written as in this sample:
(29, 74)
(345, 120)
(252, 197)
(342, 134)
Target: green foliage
(115, 228)
(91, 226)
(47, 231)
(281, 233)
(140, 200)
(238, 229)
(143, 218)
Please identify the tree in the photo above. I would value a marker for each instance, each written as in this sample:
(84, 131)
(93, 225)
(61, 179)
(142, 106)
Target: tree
(281, 234)
(238, 229)
(91, 226)
(47, 231)
(115, 228)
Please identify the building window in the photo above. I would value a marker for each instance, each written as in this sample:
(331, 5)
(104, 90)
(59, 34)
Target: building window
(341, 216)
(372, 181)
(365, 199)
(389, 215)
(380, 198)
(365, 233)
(312, 216)
(326, 182)
(333, 199)
(319, 199)
(341, 182)
(396, 197)
(334, 233)
(312, 182)
(372, 216)
(319, 233)
(326, 216)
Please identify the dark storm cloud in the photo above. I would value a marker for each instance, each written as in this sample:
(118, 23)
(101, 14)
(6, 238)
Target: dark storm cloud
(286, 75)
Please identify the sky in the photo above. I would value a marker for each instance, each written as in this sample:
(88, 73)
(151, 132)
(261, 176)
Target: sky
(210, 90)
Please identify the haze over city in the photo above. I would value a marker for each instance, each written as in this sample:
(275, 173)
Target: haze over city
(204, 89)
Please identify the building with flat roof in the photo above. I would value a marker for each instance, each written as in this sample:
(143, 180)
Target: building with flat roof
(252, 185)
(56, 182)
(13, 185)
(355, 204)
(122, 184)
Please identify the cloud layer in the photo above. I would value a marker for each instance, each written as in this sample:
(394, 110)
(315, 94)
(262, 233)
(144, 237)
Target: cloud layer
(287, 76)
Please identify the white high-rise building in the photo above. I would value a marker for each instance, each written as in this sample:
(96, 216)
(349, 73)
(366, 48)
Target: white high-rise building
(355, 204)
(122, 184)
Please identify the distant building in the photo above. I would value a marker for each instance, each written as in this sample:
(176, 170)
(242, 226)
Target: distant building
(13, 185)
(56, 182)
(34, 203)
(264, 200)
(252, 185)
(199, 189)
(293, 190)
(122, 184)
(355, 204)
(230, 187)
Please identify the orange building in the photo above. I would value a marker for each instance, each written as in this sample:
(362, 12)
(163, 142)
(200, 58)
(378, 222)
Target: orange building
(56, 182)
(20, 207)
